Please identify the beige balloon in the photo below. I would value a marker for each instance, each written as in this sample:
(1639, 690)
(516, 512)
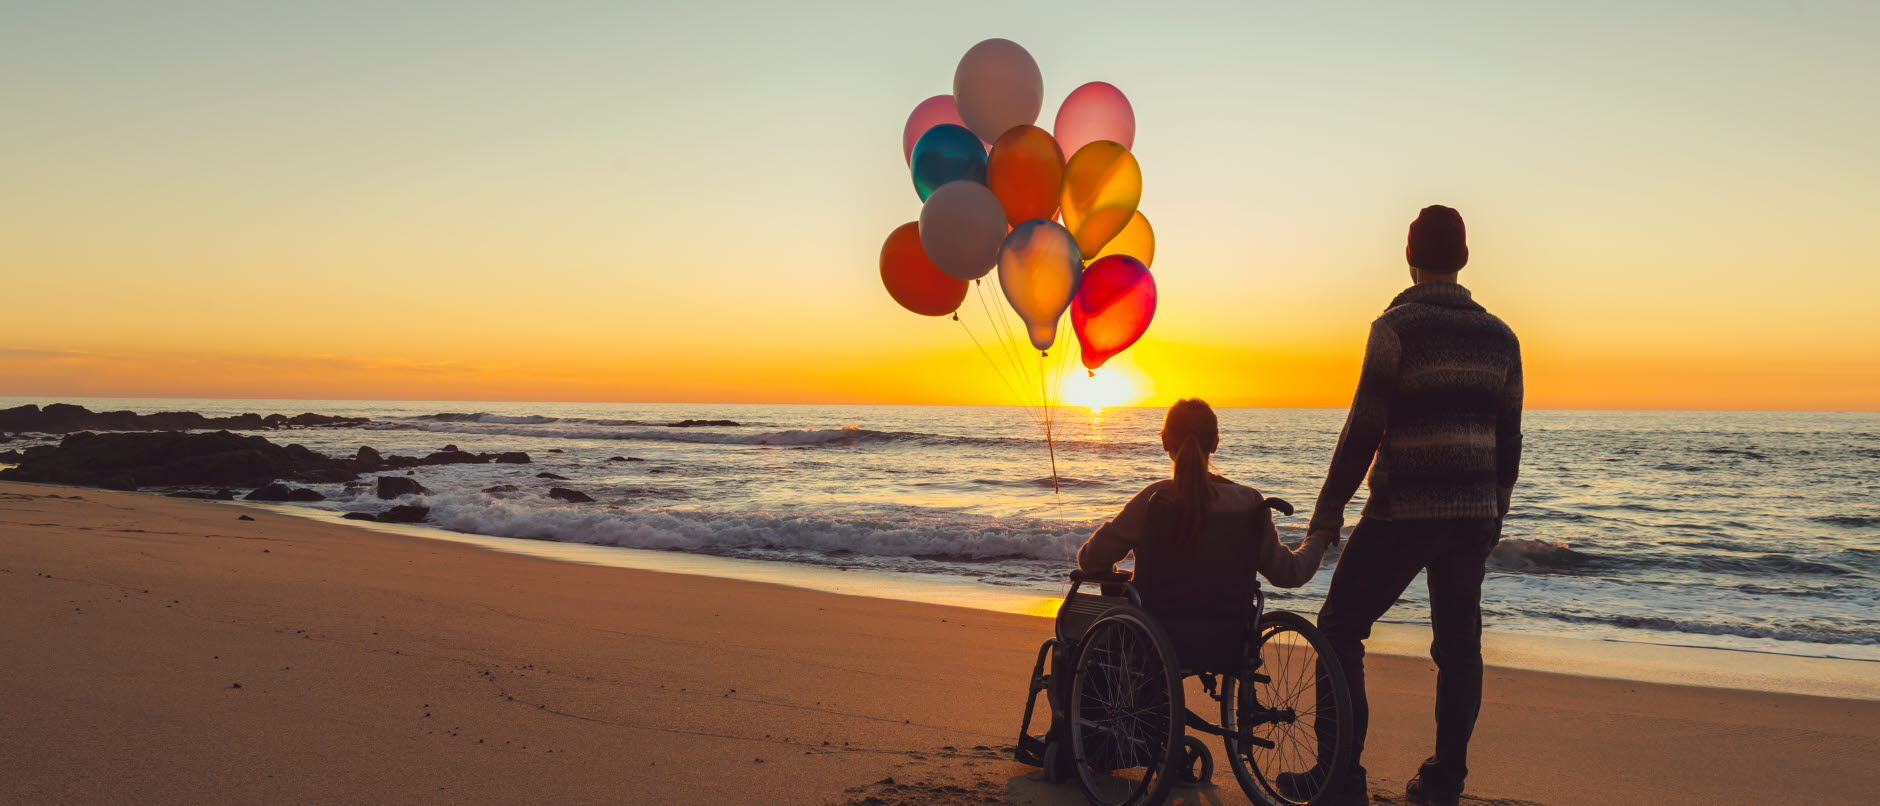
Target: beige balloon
(961, 228)
(997, 86)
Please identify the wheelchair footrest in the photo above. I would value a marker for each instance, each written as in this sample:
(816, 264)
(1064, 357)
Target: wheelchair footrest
(1030, 751)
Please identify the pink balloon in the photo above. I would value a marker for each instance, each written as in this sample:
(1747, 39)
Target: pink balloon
(1092, 112)
(928, 114)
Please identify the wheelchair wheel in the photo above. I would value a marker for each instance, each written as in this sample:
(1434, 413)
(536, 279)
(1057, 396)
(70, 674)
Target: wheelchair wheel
(1126, 711)
(1197, 763)
(1295, 699)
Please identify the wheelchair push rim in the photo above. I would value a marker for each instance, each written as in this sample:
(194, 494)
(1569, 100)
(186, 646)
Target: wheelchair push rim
(1281, 702)
(1125, 711)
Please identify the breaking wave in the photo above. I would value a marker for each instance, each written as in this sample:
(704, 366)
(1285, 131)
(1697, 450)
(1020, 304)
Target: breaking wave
(1808, 632)
(614, 430)
(950, 539)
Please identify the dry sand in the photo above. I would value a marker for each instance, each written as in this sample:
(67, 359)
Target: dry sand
(164, 651)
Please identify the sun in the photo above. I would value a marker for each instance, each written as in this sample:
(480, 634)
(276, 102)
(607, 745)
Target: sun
(1116, 384)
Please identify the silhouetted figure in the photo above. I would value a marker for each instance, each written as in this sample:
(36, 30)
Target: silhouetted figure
(1199, 539)
(1437, 422)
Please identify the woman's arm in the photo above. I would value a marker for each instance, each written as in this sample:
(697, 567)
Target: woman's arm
(1288, 568)
(1116, 538)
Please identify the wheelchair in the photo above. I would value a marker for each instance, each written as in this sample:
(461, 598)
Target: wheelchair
(1115, 690)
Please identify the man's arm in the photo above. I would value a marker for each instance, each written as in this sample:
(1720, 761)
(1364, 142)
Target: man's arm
(1508, 434)
(1364, 429)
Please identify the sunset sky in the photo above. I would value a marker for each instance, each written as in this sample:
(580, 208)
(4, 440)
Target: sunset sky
(1674, 204)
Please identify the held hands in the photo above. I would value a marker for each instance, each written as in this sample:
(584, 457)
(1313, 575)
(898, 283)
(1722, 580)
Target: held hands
(1330, 536)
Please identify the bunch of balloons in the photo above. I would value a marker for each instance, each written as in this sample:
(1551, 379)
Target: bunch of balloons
(997, 191)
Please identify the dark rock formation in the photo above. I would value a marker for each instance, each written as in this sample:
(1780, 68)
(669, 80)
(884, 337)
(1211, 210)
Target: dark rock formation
(405, 514)
(368, 456)
(547, 475)
(65, 418)
(394, 486)
(282, 492)
(571, 496)
(169, 459)
(450, 457)
(501, 489)
(450, 448)
(11, 457)
(556, 450)
(243, 518)
(702, 424)
(397, 514)
(512, 458)
(219, 495)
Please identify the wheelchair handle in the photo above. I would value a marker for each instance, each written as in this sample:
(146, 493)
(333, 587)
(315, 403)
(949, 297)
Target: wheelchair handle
(1102, 577)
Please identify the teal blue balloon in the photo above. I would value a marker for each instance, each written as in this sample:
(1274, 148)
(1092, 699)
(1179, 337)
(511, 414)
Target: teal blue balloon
(947, 153)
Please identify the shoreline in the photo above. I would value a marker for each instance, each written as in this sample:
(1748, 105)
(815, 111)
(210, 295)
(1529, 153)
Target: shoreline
(214, 659)
(1735, 668)
(1732, 668)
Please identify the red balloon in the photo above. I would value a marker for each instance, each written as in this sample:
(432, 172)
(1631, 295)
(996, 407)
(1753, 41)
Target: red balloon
(1113, 307)
(913, 280)
(1026, 172)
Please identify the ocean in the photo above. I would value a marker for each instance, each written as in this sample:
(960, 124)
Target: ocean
(1733, 530)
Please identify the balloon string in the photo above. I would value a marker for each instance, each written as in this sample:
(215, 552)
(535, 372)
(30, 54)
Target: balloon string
(1009, 387)
(1001, 328)
(1003, 325)
(1050, 441)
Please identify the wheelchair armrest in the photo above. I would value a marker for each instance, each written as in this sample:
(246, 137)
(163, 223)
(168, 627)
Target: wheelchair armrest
(1119, 575)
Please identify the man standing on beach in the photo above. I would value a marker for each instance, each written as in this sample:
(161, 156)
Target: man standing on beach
(1437, 422)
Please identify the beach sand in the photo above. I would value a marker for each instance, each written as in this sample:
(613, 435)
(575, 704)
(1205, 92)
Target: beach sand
(160, 650)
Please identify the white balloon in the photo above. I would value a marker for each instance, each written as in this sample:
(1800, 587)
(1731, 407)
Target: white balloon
(961, 228)
(997, 86)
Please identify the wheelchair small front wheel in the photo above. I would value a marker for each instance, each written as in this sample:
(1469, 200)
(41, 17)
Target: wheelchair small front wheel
(1294, 706)
(1197, 763)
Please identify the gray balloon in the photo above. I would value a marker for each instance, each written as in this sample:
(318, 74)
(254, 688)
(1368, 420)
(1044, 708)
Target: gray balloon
(961, 228)
(997, 86)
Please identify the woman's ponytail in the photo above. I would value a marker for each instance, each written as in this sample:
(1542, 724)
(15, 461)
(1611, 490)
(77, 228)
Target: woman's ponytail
(1191, 433)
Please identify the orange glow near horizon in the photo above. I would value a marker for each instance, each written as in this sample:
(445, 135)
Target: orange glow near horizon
(422, 221)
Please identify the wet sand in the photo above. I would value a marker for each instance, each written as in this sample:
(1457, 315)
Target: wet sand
(165, 651)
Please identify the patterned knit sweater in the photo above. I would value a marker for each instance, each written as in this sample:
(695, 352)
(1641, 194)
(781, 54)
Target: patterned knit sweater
(1438, 407)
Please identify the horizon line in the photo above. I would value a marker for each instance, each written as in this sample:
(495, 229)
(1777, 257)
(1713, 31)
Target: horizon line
(57, 398)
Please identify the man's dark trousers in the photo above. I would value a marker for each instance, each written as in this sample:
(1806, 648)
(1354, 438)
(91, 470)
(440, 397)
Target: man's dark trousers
(1380, 560)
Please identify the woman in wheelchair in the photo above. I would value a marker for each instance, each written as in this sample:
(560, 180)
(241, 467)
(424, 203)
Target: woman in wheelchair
(1114, 671)
(1199, 539)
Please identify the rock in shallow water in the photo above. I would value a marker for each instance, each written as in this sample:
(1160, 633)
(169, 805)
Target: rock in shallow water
(218, 495)
(127, 461)
(391, 487)
(571, 496)
(405, 514)
(282, 492)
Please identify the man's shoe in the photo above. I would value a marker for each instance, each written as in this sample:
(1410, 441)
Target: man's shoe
(1423, 794)
(1299, 787)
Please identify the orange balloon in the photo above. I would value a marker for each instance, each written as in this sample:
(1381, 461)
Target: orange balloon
(1137, 240)
(913, 280)
(1102, 185)
(1026, 172)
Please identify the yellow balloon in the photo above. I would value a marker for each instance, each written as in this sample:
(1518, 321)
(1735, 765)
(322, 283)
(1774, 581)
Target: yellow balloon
(1137, 240)
(1102, 186)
